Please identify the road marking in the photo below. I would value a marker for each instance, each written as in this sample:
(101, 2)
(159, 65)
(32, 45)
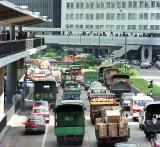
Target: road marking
(44, 138)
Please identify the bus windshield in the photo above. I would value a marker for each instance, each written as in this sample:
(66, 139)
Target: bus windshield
(140, 103)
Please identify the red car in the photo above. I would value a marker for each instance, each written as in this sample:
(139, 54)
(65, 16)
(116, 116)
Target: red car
(35, 124)
(42, 111)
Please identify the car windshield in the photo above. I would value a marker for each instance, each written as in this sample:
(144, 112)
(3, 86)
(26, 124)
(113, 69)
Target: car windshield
(35, 119)
(40, 110)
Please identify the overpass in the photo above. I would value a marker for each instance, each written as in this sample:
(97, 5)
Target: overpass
(13, 51)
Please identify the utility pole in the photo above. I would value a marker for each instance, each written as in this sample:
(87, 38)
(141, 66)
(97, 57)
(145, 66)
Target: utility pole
(125, 42)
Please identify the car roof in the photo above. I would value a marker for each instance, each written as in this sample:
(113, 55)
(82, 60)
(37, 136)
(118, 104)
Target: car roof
(148, 104)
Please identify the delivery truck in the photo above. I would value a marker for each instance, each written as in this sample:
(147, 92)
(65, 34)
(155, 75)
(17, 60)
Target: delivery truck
(112, 127)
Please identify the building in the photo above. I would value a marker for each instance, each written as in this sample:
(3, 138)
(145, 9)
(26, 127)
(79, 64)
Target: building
(110, 15)
(50, 8)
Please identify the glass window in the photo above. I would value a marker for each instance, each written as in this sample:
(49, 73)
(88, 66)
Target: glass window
(98, 5)
(87, 5)
(81, 5)
(112, 27)
(77, 16)
(97, 16)
(72, 16)
(122, 27)
(112, 16)
(146, 4)
(133, 27)
(145, 16)
(158, 16)
(101, 16)
(123, 4)
(97, 26)
(112, 5)
(67, 16)
(87, 26)
(158, 3)
(129, 27)
(118, 27)
(77, 5)
(140, 16)
(101, 26)
(91, 26)
(145, 27)
(140, 27)
(119, 4)
(108, 4)
(108, 16)
(67, 26)
(130, 16)
(141, 4)
(92, 5)
(153, 4)
(130, 4)
(91, 16)
(134, 4)
(151, 27)
(72, 5)
(102, 4)
(81, 26)
(153, 16)
(81, 16)
(118, 16)
(68, 5)
(77, 26)
(87, 16)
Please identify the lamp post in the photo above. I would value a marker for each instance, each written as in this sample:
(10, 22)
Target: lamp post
(125, 43)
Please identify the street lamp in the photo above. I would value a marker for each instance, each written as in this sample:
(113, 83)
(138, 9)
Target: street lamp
(125, 43)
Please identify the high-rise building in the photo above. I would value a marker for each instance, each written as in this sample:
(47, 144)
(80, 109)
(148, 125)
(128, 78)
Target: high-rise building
(49, 8)
(106, 15)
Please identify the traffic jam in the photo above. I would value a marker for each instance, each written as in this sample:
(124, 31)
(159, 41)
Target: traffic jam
(111, 102)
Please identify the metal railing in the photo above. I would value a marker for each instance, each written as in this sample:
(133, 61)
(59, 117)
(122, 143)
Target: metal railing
(15, 46)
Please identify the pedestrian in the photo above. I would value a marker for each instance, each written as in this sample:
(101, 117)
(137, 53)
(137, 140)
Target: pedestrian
(8, 35)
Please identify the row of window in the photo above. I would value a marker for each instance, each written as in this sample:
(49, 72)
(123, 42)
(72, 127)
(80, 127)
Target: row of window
(112, 16)
(113, 27)
(113, 4)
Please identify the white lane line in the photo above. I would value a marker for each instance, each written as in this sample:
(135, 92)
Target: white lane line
(44, 138)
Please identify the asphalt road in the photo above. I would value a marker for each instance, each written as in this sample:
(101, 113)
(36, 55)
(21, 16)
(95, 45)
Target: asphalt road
(16, 138)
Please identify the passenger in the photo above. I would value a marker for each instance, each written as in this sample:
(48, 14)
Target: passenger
(154, 119)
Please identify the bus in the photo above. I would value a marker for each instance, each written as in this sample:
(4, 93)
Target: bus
(138, 102)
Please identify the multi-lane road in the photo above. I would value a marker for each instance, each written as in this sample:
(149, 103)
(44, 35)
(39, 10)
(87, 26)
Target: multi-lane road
(16, 138)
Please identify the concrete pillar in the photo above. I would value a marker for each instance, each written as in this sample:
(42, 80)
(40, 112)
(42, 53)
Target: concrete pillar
(149, 49)
(19, 28)
(1, 92)
(12, 32)
(20, 69)
(11, 81)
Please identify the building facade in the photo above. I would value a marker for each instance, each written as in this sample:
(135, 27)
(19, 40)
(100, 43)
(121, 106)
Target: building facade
(111, 15)
(49, 8)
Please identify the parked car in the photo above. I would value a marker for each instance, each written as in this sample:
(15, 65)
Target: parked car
(125, 100)
(42, 111)
(35, 124)
(155, 141)
(126, 145)
(145, 65)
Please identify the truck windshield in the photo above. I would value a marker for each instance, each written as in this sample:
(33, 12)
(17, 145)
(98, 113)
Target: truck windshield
(139, 103)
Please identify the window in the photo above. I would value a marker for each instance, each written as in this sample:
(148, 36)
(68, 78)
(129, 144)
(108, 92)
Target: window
(68, 5)
(119, 4)
(87, 26)
(140, 16)
(158, 4)
(152, 27)
(157, 16)
(145, 27)
(76, 16)
(108, 4)
(87, 16)
(129, 27)
(134, 4)
(77, 26)
(112, 16)
(146, 4)
(118, 27)
(112, 5)
(141, 4)
(153, 16)
(132, 16)
(122, 27)
(91, 16)
(87, 5)
(97, 26)
(140, 27)
(81, 26)
(99, 16)
(153, 4)
(67, 26)
(108, 16)
(72, 5)
(81, 16)
(77, 5)
(130, 4)
(118, 16)
(67, 16)
(98, 5)
(81, 5)
(101, 26)
(123, 4)
(133, 27)
(145, 16)
(102, 4)
(92, 5)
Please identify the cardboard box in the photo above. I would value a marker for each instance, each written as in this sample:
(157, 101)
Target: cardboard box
(112, 116)
(102, 129)
(112, 129)
(123, 129)
(98, 120)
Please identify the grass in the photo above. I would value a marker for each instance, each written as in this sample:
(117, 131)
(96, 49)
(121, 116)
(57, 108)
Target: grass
(142, 85)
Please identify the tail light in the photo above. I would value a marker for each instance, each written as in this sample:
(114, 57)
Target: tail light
(136, 110)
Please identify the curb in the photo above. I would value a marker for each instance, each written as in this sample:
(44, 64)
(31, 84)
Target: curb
(4, 132)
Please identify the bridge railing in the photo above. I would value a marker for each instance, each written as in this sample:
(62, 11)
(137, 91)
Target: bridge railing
(15, 46)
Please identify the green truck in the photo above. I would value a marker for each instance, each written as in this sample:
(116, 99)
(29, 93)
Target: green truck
(89, 76)
(45, 89)
(70, 122)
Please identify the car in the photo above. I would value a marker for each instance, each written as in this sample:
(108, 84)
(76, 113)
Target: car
(125, 145)
(35, 123)
(145, 65)
(155, 141)
(37, 104)
(42, 111)
(125, 100)
(141, 119)
(95, 84)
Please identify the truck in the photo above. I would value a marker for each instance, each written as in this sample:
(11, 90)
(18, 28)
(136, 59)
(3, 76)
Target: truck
(89, 76)
(120, 84)
(112, 127)
(99, 100)
(100, 71)
(151, 110)
(107, 74)
(45, 89)
(76, 72)
(70, 122)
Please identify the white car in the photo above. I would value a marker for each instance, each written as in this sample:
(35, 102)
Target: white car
(145, 65)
